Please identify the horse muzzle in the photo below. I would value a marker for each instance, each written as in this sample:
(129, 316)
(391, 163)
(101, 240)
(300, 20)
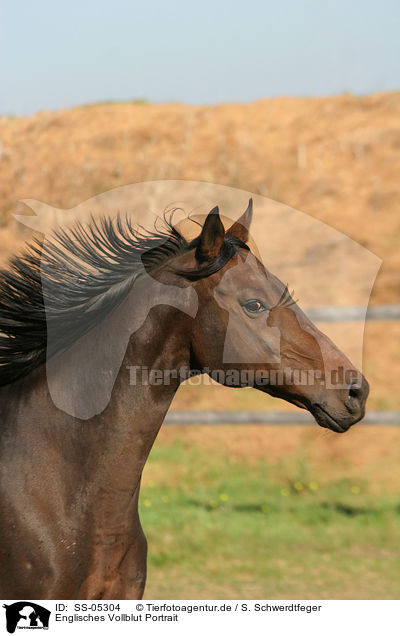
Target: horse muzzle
(339, 418)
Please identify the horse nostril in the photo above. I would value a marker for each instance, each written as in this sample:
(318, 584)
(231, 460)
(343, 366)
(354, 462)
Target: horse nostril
(355, 391)
(356, 395)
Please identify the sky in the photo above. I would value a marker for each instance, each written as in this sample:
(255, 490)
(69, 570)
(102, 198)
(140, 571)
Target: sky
(57, 54)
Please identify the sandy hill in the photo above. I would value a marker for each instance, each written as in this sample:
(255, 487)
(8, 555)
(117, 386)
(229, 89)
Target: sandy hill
(336, 158)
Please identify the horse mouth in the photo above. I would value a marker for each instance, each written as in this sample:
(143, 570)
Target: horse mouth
(325, 420)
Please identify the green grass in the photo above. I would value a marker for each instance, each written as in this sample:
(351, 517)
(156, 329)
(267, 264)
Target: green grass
(223, 529)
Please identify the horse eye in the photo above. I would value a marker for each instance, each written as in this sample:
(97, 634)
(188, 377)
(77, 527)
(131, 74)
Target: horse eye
(254, 306)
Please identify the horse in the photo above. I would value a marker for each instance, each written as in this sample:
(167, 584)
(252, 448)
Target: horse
(73, 444)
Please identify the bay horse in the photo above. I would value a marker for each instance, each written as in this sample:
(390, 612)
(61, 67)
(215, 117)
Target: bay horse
(70, 469)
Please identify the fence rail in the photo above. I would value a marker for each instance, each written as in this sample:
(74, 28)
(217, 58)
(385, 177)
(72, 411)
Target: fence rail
(268, 418)
(349, 314)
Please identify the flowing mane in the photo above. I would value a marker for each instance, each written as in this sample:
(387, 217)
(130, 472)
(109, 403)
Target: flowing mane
(69, 283)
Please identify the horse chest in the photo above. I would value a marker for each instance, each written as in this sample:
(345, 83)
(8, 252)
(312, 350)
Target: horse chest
(117, 569)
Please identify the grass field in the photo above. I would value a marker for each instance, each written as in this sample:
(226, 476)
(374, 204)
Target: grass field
(296, 524)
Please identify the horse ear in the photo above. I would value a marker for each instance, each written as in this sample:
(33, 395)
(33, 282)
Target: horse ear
(211, 237)
(240, 229)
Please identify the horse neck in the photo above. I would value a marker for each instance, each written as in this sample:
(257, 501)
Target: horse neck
(130, 423)
(96, 465)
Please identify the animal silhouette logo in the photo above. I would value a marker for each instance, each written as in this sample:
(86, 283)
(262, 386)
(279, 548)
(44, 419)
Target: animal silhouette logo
(26, 615)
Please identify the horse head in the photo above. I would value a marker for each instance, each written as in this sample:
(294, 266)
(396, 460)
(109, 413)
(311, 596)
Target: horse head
(249, 331)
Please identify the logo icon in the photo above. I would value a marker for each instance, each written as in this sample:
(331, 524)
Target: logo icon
(26, 615)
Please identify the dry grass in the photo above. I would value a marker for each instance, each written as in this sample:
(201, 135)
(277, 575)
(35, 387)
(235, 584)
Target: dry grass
(336, 158)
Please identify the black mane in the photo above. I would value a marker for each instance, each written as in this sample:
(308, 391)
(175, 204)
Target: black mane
(68, 284)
